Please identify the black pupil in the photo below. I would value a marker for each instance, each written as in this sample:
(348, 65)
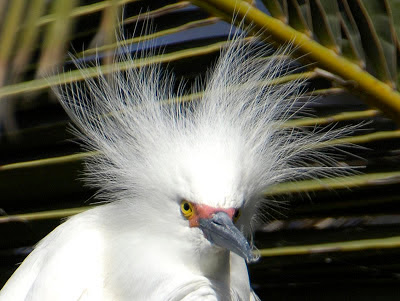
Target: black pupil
(186, 206)
(236, 213)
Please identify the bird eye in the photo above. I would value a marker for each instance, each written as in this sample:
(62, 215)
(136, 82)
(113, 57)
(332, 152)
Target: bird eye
(237, 215)
(187, 209)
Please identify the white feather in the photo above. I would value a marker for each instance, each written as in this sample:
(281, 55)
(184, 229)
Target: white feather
(223, 151)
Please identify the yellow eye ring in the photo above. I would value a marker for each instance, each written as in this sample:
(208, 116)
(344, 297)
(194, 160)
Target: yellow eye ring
(187, 209)
(237, 215)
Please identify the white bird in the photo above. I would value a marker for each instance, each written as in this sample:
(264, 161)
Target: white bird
(184, 182)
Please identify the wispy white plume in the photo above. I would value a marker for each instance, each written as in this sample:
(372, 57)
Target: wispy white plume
(224, 149)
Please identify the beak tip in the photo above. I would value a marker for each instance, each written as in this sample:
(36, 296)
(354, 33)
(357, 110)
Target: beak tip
(251, 257)
(247, 253)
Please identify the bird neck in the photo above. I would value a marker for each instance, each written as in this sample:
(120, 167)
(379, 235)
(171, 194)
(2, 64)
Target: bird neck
(215, 264)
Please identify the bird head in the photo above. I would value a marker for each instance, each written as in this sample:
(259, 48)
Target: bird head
(212, 189)
(196, 184)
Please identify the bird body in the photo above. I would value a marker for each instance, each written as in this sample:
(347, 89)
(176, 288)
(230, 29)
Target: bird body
(60, 269)
(184, 182)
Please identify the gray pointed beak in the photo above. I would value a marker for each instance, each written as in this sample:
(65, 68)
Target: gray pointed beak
(220, 230)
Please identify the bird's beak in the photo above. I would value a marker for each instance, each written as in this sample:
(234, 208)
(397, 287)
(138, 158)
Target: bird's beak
(220, 230)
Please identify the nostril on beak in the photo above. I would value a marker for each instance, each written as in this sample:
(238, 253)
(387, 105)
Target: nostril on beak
(216, 219)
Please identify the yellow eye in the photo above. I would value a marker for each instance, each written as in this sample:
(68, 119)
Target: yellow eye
(187, 209)
(237, 215)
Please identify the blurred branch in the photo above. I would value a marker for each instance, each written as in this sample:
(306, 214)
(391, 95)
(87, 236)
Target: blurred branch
(343, 246)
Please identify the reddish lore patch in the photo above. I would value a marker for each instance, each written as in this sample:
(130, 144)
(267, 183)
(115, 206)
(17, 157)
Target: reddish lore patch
(206, 212)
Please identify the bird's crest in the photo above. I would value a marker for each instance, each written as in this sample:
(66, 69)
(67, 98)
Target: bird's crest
(223, 149)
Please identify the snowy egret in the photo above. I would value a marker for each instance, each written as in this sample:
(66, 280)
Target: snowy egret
(183, 181)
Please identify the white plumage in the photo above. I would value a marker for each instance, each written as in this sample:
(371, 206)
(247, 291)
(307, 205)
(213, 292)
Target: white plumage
(173, 174)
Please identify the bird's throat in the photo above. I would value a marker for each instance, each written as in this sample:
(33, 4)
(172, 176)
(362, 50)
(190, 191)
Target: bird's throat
(215, 263)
